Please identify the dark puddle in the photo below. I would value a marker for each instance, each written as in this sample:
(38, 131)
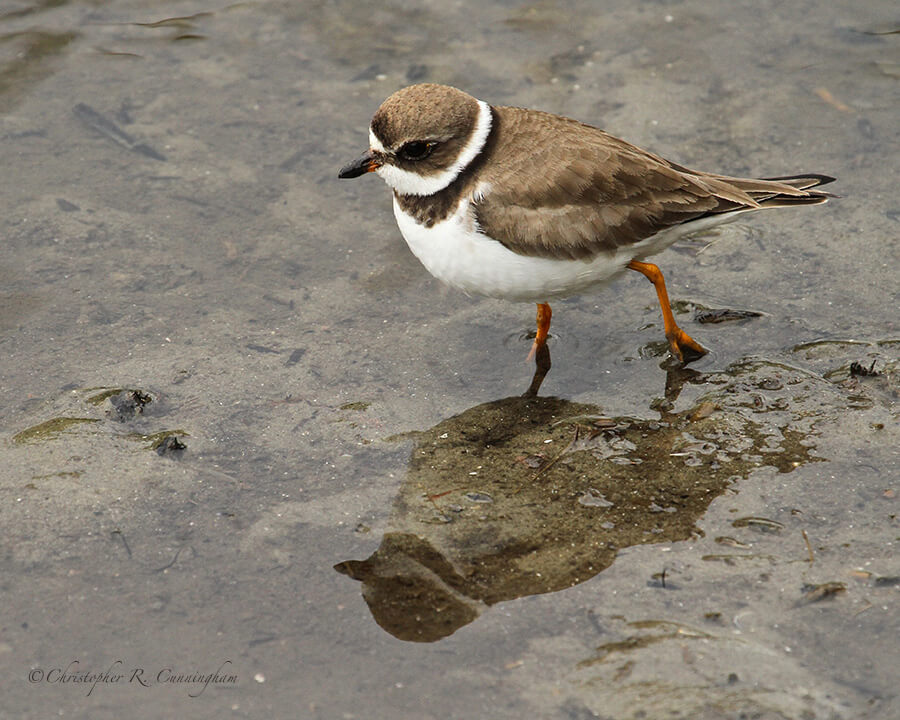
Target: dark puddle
(530, 495)
(523, 496)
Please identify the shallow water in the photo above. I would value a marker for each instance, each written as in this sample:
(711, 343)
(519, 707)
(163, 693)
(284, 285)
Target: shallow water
(640, 541)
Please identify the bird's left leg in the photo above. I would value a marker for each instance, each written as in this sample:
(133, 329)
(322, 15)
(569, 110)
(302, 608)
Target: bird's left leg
(543, 328)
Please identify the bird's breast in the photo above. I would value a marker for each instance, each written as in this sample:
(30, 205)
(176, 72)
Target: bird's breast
(455, 251)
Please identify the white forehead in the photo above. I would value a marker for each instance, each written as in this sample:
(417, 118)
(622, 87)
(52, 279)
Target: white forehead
(375, 143)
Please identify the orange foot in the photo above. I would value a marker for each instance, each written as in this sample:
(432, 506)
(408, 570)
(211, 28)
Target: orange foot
(682, 345)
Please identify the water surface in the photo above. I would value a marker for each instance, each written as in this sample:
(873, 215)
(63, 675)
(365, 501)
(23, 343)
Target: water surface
(641, 541)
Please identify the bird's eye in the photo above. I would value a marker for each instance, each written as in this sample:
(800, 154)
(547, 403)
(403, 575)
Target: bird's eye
(416, 150)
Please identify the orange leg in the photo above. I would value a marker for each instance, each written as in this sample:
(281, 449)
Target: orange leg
(543, 328)
(682, 345)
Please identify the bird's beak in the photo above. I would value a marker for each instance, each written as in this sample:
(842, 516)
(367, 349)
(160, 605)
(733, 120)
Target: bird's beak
(365, 163)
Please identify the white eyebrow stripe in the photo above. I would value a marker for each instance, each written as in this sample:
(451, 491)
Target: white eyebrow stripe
(410, 183)
(374, 142)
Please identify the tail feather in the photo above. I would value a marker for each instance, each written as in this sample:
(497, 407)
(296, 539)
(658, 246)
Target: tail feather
(790, 201)
(784, 191)
(804, 181)
(739, 195)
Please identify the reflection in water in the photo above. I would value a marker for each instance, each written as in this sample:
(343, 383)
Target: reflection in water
(532, 495)
(541, 368)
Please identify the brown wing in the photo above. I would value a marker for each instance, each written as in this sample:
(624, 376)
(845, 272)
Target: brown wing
(579, 191)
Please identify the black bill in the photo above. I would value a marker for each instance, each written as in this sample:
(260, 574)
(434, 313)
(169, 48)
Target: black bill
(365, 163)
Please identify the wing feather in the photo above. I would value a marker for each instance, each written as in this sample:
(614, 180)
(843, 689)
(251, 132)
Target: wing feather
(580, 192)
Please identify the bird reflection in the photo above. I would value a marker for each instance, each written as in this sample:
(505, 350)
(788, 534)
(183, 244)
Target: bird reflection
(541, 368)
(530, 495)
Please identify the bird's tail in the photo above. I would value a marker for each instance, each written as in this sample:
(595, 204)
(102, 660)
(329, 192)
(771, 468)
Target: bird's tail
(786, 191)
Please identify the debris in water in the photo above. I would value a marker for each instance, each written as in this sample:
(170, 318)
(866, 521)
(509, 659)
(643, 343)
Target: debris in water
(859, 370)
(111, 131)
(170, 444)
(721, 315)
(816, 593)
(593, 498)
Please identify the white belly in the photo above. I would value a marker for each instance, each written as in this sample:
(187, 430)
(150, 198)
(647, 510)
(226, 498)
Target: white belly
(457, 253)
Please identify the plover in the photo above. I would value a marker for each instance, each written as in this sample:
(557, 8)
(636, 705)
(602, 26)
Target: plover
(525, 205)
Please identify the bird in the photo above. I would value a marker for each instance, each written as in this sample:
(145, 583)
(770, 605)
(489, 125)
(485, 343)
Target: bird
(528, 206)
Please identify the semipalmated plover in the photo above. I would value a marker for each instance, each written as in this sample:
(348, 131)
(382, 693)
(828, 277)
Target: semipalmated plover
(528, 206)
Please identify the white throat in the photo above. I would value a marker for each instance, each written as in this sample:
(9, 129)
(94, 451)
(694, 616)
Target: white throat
(409, 183)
